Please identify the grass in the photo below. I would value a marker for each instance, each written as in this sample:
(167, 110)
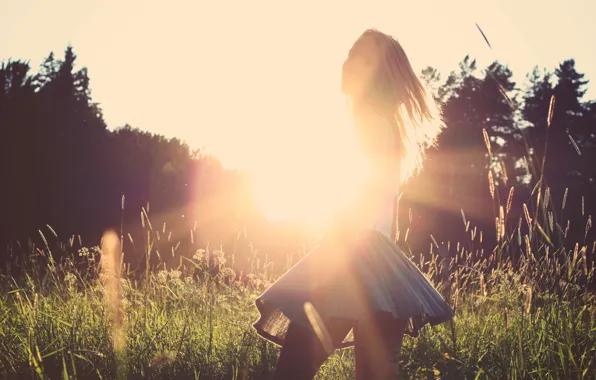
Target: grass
(522, 316)
(524, 309)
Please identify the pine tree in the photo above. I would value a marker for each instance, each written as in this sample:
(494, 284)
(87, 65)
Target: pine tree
(563, 149)
(16, 152)
(455, 176)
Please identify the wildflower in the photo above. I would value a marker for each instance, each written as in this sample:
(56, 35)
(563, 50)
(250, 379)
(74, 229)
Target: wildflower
(162, 277)
(228, 272)
(199, 255)
(219, 257)
(175, 274)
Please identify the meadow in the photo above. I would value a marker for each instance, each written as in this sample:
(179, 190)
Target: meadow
(89, 316)
(525, 307)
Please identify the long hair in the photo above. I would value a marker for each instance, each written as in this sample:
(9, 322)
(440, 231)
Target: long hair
(398, 91)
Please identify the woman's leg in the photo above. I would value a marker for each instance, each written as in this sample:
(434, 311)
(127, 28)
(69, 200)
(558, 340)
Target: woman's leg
(303, 353)
(377, 346)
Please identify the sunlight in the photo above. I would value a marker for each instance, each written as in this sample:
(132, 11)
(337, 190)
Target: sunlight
(313, 175)
(275, 112)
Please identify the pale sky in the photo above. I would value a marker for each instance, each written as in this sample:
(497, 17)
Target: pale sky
(219, 73)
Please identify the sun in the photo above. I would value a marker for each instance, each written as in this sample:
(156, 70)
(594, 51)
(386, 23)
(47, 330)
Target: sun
(290, 128)
(314, 175)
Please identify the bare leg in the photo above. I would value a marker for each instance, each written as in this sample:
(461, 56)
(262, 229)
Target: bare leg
(303, 354)
(377, 346)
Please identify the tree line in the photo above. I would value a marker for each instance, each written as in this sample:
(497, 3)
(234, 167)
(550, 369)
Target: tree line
(65, 173)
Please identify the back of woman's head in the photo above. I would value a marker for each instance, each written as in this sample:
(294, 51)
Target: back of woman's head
(378, 74)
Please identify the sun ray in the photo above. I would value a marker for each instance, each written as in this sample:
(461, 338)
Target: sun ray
(311, 182)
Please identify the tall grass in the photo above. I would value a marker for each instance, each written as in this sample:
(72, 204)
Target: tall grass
(523, 309)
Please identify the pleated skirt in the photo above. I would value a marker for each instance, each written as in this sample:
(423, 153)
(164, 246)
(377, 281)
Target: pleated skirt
(351, 275)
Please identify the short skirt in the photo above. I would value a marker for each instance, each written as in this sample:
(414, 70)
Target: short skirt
(351, 275)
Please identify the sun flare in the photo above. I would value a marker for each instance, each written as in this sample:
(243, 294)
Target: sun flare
(312, 177)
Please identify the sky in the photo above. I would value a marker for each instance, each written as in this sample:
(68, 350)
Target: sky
(232, 76)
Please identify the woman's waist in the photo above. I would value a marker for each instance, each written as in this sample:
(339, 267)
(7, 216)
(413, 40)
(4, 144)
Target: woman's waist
(374, 215)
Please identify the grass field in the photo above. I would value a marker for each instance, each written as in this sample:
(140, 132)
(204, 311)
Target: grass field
(525, 309)
(531, 317)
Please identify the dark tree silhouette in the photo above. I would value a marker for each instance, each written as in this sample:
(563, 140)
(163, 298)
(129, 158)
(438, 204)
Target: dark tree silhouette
(62, 167)
(18, 205)
(566, 147)
(455, 178)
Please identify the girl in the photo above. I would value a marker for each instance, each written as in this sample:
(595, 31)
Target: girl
(357, 287)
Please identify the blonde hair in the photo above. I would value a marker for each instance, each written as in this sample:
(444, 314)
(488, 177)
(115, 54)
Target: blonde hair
(416, 116)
